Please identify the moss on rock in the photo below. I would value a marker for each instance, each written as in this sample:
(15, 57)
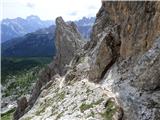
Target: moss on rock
(110, 110)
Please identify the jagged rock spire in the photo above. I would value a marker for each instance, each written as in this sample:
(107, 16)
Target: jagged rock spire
(68, 42)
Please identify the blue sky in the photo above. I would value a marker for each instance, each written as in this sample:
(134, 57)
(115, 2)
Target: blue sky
(50, 9)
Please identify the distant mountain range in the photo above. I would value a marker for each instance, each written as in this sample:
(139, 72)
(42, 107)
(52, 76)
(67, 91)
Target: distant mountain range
(40, 42)
(85, 26)
(11, 28)
(85, 21)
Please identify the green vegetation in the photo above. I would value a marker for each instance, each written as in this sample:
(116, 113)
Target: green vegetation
(41, 110)
(85, 106)
(21, 83)
(98, 102)
(49, 102)
(18, 74)
(43, 106)
(61, 95)
(59, 115)
(54, 111)
(82, 59)
(109, 111)
(11, 66)
(88, 90)
(92, 114)
(8, 115)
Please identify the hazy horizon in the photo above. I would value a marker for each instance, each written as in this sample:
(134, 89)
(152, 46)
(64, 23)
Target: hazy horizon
(47, 19)
(49, 9)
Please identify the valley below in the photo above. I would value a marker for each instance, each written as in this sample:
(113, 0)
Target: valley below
(112, 75)
(18, 77)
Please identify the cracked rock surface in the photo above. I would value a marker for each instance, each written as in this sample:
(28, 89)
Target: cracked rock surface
(115, 76)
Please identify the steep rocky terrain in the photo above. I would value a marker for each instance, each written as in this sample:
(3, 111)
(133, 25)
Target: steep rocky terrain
(115, 76)
(68, 42)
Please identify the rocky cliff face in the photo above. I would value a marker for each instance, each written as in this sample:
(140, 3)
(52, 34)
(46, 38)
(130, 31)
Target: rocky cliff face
(116, 76)
(125, 56)
(68, 42)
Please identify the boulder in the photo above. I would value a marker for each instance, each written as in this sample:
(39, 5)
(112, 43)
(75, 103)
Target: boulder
(22, 105)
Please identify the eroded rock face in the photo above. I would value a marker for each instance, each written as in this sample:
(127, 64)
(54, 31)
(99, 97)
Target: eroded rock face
(22, 105)
(123, 56)
(134, 75)
(104, 54)
(138, 24)
(128, 28)
(68, 42)
(123, 30)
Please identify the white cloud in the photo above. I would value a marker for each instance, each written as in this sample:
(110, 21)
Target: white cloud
(50, 9)
(30, 5)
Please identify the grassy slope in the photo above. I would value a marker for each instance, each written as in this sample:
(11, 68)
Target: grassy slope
(20, 73)
(8, 115)
(13, 66)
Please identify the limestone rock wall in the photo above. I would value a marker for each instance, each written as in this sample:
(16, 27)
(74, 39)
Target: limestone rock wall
(128, 28)
(125, 53)
(122, 58)
(68, 43)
